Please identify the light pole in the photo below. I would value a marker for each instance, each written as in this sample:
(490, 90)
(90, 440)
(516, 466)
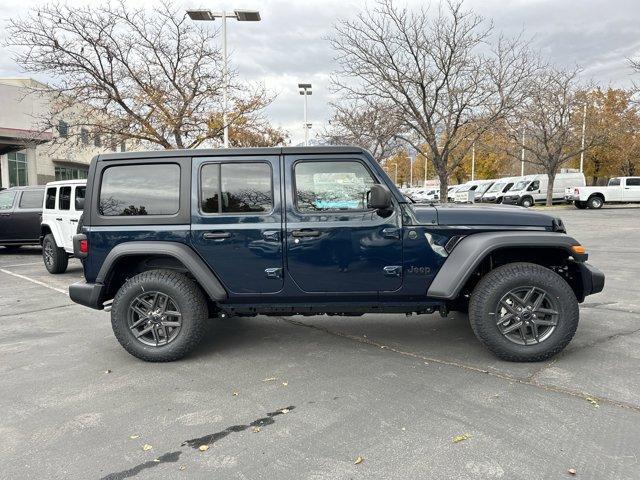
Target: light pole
(305, 89)
(584, 127)
(241, 16)
(522, 156)
(473, 161)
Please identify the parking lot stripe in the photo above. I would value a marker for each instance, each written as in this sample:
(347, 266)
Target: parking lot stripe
(22, 264)
(33, 280)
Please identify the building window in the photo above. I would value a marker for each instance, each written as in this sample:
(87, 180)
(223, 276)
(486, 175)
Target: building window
(97, 140)
(63, 129)
(84, 136)
(70, 173)
(17, 169)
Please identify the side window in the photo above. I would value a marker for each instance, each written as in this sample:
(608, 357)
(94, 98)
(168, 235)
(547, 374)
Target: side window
(236, 188)
(31, 199)
(507, 187)
(79, 200)
(50, 198)
(6, 200)
(327, 186)
(535, 185)
(614, 182)
(135, 190)
(633, 182)
(64, 201)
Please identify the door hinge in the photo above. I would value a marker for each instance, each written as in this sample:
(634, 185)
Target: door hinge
(273, 272)
(392, 270)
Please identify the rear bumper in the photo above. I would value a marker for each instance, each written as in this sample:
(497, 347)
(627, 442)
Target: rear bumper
(592, 279)
(87, 294)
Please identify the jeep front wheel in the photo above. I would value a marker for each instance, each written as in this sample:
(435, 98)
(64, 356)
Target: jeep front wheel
(159, 315)
(523, 312)
(55, 258)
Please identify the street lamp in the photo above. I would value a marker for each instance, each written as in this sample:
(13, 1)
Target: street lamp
(305, 89)
(241, 16)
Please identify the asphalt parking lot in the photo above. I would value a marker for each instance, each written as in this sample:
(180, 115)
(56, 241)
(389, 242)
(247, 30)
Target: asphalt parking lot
(304, 397)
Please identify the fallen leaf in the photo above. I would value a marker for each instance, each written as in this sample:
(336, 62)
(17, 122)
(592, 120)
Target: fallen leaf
(403, 429)
(572, 471)
(359, 460)
(146, 447)
(256, 429)
(203, 448)
(270, 379)
(134, 436)
(107, 371)
(182, 467)
(285, 410)
(156, 459)
(285, 384)
(461, 438)
(235, 394)
(593, 402)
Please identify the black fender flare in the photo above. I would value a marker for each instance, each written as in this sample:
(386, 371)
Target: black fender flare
(181, 252)
(473, 249)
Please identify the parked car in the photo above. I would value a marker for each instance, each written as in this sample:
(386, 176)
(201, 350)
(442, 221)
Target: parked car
(496, 192)
(451, 192)
(467, 192)
(20, 214)
(61, 214)
(421, 195)
(172, 238)
(532, 189)
(618, 190)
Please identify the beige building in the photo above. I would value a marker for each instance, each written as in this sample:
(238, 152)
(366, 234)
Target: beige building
(28, 153)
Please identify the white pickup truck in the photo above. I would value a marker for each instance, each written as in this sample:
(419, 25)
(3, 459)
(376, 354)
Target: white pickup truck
(618, 190)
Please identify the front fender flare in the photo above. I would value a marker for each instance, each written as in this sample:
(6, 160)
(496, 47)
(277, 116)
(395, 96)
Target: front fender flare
(190, 259)
(473, 249)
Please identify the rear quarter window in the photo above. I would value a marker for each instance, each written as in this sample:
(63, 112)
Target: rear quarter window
(31, 199)
(140, 190)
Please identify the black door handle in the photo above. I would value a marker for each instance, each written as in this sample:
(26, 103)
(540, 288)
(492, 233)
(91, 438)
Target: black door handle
(74, 220)
(5, 214)
(305, 233)
(59, 219)
(216, 235)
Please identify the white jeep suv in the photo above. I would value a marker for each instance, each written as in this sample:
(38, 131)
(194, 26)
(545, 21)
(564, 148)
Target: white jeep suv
(61, 218)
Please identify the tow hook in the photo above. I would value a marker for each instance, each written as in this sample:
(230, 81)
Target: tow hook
(444, 310)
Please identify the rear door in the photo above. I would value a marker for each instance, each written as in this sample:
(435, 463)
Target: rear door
(236, 222)
(7, 199)
(334, 243)
(631, 192)
(27, 215)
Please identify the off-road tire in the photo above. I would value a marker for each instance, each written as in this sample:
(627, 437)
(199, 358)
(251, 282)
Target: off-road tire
(580, 205)
(59, 259)
(495, 284)
(527, 202)
(595, 202)
(190, 300)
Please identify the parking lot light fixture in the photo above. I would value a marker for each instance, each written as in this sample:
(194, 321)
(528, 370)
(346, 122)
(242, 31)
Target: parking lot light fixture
(305, 90)
(241, 16)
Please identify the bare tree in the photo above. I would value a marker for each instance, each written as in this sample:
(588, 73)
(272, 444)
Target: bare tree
(130, 74)
(552, 136)
(444, 73)
(373, 126)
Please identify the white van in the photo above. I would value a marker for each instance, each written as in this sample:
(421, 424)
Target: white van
(498, 189)
(533, 188)
(467, 192)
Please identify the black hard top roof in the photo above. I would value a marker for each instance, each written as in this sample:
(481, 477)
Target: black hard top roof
(230, 152)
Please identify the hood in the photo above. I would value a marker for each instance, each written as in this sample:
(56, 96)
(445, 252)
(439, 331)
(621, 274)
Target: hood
(479, 215)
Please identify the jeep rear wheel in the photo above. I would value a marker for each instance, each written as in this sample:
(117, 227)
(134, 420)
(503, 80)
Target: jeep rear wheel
(159, 315)
(55, 258)
(523, 312)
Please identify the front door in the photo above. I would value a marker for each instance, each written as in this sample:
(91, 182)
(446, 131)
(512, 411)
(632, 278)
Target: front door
(236, 221)
(27, 215)
(334, 243)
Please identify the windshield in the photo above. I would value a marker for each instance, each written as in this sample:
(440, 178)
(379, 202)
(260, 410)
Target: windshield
(464, 188)
(519, 186)
(483, 188)
(495, 187)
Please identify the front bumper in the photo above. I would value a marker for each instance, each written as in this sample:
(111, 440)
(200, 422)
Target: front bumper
(488, 200)
(511, 199)
(87, 294)
(592, 279)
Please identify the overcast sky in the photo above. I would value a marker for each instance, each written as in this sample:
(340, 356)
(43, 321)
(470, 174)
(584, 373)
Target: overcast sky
(289, 44)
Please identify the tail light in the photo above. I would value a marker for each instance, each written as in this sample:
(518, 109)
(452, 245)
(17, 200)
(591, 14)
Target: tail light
(83, 246)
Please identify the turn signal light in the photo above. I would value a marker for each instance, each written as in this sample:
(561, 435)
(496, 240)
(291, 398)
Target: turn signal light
(83, 246)
(576, 191)
(579, 249)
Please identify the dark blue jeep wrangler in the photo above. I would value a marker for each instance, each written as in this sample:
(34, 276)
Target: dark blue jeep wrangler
(170, 239)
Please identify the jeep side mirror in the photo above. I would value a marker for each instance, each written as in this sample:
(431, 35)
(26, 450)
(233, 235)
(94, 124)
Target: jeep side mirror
(379, 197)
